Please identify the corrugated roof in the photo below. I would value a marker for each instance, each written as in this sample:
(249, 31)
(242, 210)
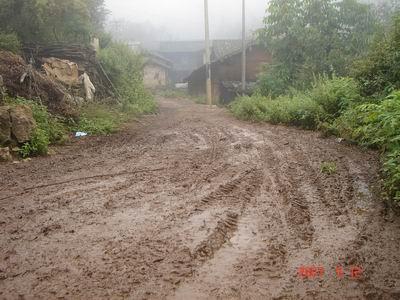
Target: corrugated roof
(221, 48)
(181, 46)
(157, 59)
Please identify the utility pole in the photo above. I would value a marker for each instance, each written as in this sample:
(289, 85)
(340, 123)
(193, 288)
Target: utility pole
(243, 46)
(208, 56)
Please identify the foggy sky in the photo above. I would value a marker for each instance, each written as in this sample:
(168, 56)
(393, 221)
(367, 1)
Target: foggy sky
(184, 19)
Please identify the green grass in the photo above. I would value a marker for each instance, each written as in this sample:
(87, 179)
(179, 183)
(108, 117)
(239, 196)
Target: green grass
(299, 110)
(335, 95)
(98, 119)
(328, 168)
(173, 93)
(10, 42)
(182, 94)
(377, 125)
(327, 100)
(124, 67)
(49, 129)
(95, 119)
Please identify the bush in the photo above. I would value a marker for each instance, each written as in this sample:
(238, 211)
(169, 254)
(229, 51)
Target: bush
(378, 72)
(335, 95)
(125, 68)
(302, 111)
(373, 125)
(38, 145)
(10, 42)
(49, 129)
(377, 125)
(326, 101)
(298, 110)
(273, 82)
(249, 108)
(391, 168)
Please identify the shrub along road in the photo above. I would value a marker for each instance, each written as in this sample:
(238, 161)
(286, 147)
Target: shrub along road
(191, 203)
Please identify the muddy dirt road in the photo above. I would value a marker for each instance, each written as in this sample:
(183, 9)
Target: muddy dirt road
(193, 204)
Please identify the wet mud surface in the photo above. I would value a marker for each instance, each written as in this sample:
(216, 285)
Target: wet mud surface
(193, 204)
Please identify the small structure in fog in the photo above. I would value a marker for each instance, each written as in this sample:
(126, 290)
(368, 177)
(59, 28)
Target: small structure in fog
(226, 73)
(156, 71)
(188, 56)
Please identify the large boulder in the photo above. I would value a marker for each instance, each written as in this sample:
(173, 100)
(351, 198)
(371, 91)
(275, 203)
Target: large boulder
(22, 123)
(5, 125)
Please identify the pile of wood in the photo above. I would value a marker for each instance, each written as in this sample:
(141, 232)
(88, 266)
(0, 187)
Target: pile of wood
(85, 57)
(23, 80)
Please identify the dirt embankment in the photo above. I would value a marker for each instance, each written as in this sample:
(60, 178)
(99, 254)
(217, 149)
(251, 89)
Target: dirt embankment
(192, 203)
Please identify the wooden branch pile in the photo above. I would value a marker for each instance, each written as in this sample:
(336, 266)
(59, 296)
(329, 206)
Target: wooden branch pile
(85, 57)
(22, 79)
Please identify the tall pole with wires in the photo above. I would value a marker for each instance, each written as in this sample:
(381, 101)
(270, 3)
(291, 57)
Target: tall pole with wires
(243, 46)
(208, 55)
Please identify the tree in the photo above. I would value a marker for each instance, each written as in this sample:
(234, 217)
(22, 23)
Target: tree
(379, 71)
(312, 37)
(385, 9)
(283, 37)
(52, 20)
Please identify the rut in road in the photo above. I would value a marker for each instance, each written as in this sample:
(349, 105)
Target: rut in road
(193, 204)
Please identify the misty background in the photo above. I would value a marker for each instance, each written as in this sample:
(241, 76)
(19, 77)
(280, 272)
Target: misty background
(144, 20)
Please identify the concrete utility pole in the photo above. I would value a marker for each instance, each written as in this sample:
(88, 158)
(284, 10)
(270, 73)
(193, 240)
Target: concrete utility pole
(208, 56)
(244, 46)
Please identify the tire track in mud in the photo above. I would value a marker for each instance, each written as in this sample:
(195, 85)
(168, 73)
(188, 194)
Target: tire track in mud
(294, 203)
(232, 212)
(320, 198)
(222, 233)
(238, 190)
(234, 194)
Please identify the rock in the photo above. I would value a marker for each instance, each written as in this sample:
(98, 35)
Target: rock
(5, 125)
(5, 154)
(22, 123)
(62, 70)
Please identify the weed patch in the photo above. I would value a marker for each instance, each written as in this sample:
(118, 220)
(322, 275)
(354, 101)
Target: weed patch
(49, 129)
(328, 168)
(377, 126)
(173, 93)
(299, 110)
(97, 119)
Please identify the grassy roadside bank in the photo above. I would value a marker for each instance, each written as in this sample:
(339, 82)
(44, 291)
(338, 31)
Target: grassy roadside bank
(94, 119)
